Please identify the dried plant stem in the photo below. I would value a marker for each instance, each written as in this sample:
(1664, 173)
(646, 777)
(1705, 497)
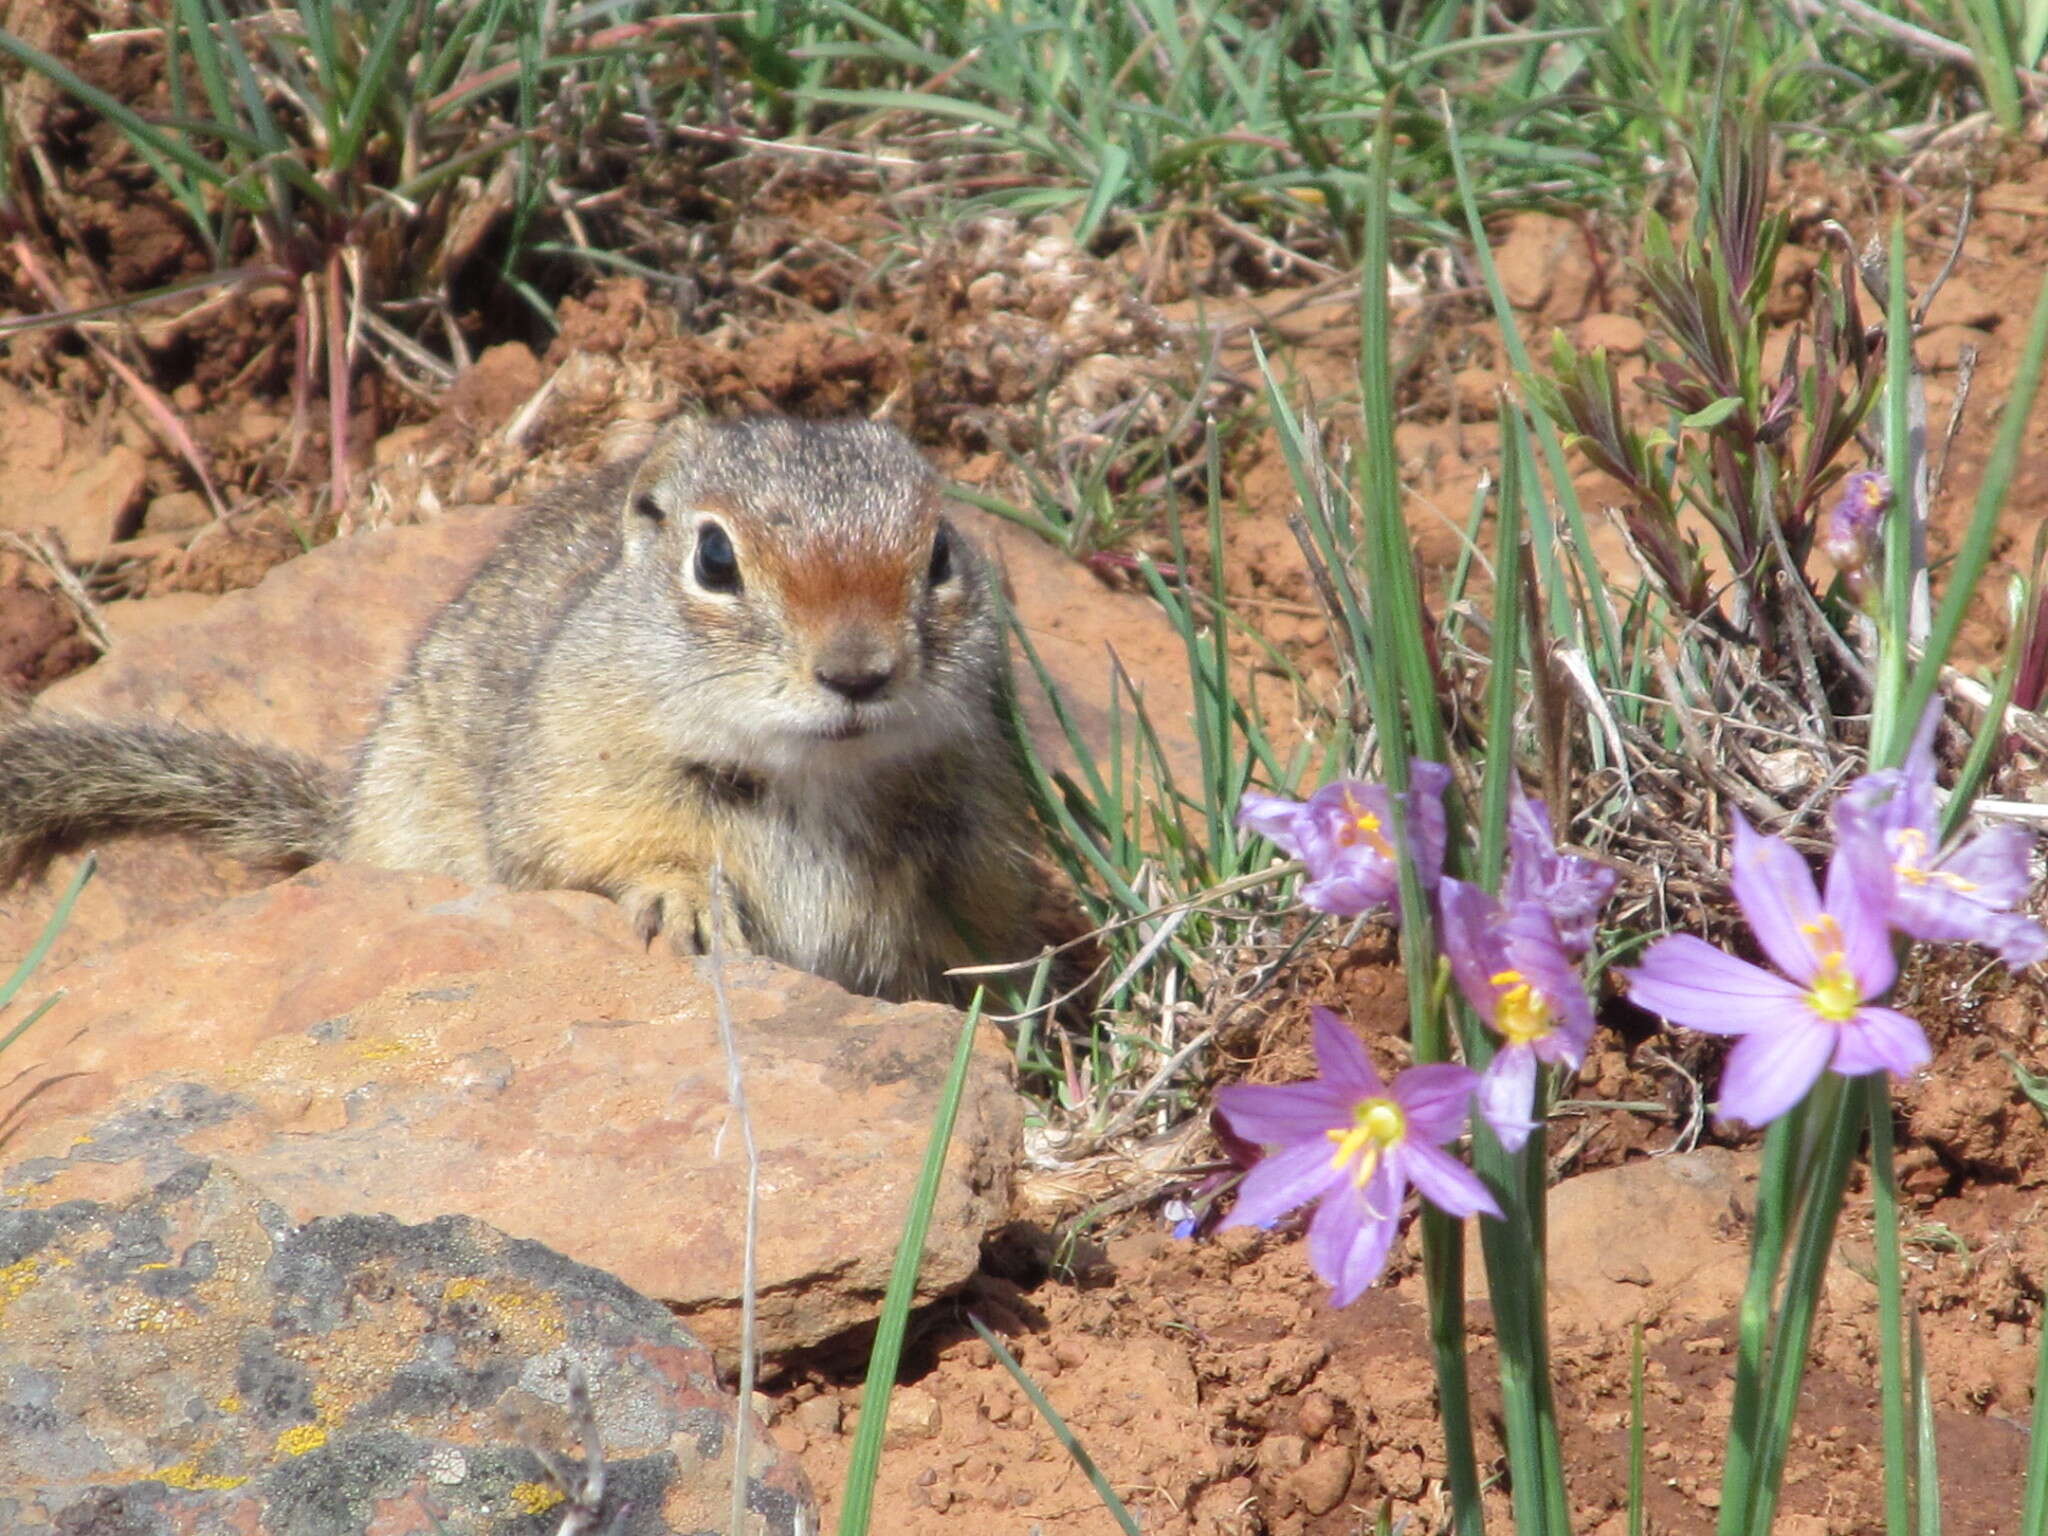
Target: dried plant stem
(158, 408)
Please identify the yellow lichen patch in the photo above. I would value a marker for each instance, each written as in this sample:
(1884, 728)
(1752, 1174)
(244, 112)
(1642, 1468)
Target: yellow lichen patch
(230, 1404)
(17, 1277)
(186, 1475)
(538, 1312)
(536, 1498)
(301, 1438)
(461, 1289)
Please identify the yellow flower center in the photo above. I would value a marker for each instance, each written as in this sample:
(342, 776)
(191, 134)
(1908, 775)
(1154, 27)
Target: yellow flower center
(1909, 845)
(1376, 1124)
(1834, 995)
(1362, 826)
(1520, 1011)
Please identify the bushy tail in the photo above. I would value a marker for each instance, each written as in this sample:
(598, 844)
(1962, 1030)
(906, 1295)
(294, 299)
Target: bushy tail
(64, 779)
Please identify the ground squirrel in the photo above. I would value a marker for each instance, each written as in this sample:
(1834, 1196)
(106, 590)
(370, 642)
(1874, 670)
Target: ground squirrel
(758, 644)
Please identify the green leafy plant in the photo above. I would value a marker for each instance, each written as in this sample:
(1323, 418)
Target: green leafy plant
(1752, 455)
(364, 154)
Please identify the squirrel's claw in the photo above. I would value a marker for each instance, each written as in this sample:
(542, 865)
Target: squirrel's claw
(690, 916)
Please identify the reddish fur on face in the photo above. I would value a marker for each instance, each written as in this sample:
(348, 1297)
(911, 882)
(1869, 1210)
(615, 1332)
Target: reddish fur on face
(824, 586)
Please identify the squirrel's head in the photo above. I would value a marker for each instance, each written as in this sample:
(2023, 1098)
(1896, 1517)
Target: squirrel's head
(813, 575)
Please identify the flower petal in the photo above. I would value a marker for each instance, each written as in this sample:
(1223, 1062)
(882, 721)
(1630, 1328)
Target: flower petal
(1690, 982)
(1862, 912)
(1469, 942)
(1994, 862)
(1447, 1183)
(1863, 818)
(1881, 1040)
(1274, 1114)
(1775, 890)
(1341, 1058)
(1436, 1099)
(1354, 890)
(1349, 1239)
(1274, 818)
(1292, 1176)
(1431, 778)
(1507, 1095)
(1773, 1069)
(1533, 946)
(2018, 940)
(1427, 828)
(1572, 889)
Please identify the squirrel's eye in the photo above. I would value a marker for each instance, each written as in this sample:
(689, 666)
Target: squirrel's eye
(942, 558)
(718, 568)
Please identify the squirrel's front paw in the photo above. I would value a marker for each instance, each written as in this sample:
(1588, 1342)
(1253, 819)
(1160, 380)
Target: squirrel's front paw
(691, 915)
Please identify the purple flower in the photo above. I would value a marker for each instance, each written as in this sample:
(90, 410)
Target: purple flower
(1343, 835)
(1355, 1143)
(1886, 824)
(1573, 890)
(1849, 536)
(1515, 970)
(1838, 956)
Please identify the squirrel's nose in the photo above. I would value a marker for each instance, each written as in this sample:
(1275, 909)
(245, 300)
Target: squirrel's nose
(856, 667)
(856, 685)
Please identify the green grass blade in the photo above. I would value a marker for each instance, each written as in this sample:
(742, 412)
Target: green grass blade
(2034, 1511)
(1057, 1425)
(1890, 727)
(1502, 696)
(1110, 181)
(1839, 1128)
(1608, 651)
(370, 89)
(1638, 1510)
(1884, 1188)
(1926, 1455)
(864, 1464)
(10, 988)
(191, 26)
(1402, 684)
(158, 148)
(1752, 1351)
(34, 1014)
(1975, 552)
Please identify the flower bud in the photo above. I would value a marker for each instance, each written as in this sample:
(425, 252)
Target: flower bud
(1850, 537)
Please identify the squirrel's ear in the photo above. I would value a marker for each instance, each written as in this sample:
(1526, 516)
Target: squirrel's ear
(645, 513)
(680, 443)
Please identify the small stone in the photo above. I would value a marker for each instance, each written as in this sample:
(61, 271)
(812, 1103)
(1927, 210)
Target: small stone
(1322, 1483)
(1280, 1455)
(95, 506)
(1621, 335)
(1315, 1415)
(176, 512)
(493, 389)
(913, 1415)
(257, 426)
(820, 1416)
